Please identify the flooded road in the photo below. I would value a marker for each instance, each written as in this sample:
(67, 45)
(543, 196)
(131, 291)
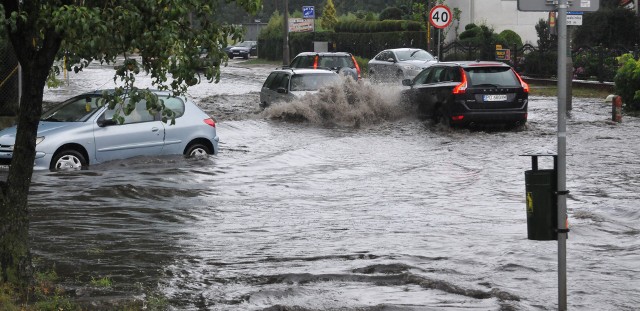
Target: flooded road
(378, 211)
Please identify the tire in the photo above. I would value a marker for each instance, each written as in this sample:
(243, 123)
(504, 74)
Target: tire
(246, 57)
(68, 159)
(197, 150)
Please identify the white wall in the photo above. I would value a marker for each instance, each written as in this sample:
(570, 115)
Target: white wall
(498, 14)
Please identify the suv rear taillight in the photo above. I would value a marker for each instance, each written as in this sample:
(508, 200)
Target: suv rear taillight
(525, 86)
(357, 67)
(462, 87)
(210, 122)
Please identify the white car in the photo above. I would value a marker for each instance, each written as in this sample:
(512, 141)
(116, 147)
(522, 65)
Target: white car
(81, 131)
(286, 84)
(399, 64)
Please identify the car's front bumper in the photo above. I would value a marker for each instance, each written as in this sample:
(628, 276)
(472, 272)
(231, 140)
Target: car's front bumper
(41, 161)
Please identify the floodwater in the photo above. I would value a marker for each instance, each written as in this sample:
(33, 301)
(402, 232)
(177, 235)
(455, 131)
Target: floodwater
(361, 207)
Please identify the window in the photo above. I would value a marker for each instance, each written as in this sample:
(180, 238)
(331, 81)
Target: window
(492, 76)
(137, 115)
(77, 109)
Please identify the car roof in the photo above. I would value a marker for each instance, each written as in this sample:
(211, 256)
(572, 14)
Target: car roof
(403, 49)
(473, 63)
(304, 70)
(324, 54)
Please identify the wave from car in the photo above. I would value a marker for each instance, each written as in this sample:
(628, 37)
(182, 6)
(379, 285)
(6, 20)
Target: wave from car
(82, 131)
(398, 64)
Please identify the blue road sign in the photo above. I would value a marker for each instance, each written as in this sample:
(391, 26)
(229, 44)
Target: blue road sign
(308, 12)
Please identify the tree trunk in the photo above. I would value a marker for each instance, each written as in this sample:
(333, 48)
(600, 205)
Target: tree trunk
(36, 60)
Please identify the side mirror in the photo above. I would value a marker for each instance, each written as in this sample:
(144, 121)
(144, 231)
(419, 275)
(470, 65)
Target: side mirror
(407, 82)
(282, 90)
(391, 60)
(106, 122)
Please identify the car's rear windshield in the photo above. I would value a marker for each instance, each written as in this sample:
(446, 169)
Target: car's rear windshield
(312, 82)
(491, 76)
(325, 61)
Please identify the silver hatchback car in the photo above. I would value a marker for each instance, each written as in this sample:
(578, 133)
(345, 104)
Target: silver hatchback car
(80, 131)
(399, 64)
(287, 84)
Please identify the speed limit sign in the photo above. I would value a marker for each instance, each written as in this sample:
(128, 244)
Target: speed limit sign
(440, 16)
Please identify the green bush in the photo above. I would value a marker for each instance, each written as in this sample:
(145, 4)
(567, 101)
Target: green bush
(627, 81)
(392, 13)
(363, 63)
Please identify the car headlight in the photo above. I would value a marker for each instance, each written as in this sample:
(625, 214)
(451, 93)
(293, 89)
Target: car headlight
(39, 139)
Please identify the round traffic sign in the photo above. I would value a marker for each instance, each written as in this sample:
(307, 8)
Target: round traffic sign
(440, 16)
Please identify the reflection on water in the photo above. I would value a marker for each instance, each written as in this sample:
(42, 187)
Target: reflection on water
(394, 214)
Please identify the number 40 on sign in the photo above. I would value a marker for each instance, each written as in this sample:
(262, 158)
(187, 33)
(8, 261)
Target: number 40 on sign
(440, 16)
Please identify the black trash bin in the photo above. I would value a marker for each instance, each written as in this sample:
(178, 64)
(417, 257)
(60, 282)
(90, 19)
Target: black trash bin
(542, 204)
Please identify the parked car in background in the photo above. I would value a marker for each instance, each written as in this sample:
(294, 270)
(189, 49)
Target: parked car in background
(286, 84)
(468, 93)
(399, 64)
(340, 62)
(243, 49)
(81, 131)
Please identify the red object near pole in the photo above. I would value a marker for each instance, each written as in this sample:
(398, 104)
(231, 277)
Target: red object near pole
(616, 109)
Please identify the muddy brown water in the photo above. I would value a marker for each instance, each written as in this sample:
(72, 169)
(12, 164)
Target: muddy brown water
(353, 205)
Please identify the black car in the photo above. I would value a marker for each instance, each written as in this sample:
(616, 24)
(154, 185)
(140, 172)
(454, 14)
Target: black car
(468, 93)
(340, 62)
(243, 49)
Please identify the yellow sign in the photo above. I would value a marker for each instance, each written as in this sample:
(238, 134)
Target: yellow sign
(529, 203)
(503, 54)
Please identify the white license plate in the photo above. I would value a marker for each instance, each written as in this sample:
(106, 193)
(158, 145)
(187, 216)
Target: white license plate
(494, 98)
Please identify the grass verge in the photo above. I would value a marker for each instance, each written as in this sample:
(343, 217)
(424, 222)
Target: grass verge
(579, 91)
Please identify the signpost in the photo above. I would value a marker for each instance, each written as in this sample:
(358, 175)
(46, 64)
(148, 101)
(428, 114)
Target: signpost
(440, 17)
(562, 6)
(574, 18)
(308, 12)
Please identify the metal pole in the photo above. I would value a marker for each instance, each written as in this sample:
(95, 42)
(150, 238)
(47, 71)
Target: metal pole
(439, 33)
(562, 154)
(285, 39)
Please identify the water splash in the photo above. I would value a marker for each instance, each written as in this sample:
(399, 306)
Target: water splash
(351, 103)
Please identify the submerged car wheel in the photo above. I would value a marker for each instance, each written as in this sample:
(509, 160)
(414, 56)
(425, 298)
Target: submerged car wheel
(68, 160)
(197, 151)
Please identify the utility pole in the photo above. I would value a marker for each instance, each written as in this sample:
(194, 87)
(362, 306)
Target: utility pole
(285, 37)
(562, 155)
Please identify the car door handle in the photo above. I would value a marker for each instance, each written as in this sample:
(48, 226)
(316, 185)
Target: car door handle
(154, 129)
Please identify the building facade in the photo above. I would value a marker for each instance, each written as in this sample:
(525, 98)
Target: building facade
(499, 15)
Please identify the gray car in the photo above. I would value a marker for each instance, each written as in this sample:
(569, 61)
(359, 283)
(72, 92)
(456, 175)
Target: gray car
(286, 84)
(243, 49)
(399, 64)
(81, 131)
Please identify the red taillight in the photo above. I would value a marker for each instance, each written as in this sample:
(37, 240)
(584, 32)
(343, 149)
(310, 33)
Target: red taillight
(210, 122)
(457, 118)
(525, 86)
(357, 67)
(462, 87)
(315, 62)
